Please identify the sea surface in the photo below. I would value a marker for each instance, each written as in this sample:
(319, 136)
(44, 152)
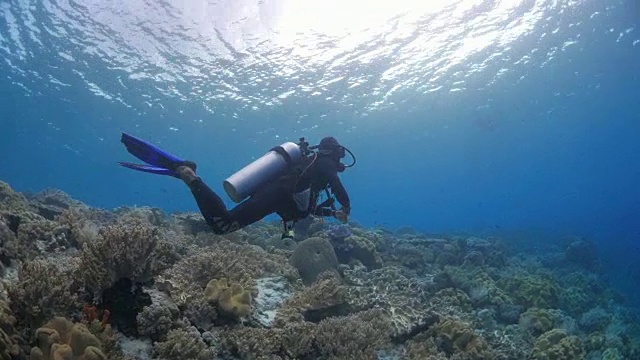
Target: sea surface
(516, 117)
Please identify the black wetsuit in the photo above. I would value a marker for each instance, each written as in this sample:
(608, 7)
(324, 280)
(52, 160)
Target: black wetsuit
(274, 197)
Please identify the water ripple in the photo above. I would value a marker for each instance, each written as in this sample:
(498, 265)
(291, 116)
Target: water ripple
(257, 54)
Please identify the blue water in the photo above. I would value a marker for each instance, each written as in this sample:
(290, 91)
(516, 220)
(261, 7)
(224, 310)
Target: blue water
(486, 116)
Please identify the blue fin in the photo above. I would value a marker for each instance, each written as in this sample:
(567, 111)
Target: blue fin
(150, 154)
(149, 169)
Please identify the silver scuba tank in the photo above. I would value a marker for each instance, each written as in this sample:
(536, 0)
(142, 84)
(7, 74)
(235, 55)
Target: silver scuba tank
(251, 177)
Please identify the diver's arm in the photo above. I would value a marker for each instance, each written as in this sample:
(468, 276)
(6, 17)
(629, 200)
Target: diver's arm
(341, 193)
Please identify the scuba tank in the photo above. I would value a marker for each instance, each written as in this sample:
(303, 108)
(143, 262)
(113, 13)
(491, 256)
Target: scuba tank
(250, 178)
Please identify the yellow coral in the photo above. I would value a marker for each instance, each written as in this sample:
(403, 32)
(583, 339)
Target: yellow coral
(61, 339)
(231, 298)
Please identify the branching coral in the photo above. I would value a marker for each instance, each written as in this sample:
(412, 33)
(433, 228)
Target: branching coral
(183, 344)
(125, 250)
(357, 336)
(43, 290)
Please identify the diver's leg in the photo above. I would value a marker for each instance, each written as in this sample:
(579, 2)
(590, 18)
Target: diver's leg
(213, 209)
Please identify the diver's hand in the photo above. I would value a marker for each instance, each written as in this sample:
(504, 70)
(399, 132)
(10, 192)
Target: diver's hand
(341, 216)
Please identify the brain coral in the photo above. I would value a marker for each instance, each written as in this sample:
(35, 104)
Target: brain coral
(313, 257)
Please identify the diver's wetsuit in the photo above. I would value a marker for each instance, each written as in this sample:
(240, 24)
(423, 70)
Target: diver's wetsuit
(275, 197)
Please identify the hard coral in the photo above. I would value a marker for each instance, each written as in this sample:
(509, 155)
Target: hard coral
(531, 290)
(230, 297)
(357, 336)
(42, 291)
(9, 340)
(125, 250)
(556, 344)
(62, 339)
(9, 247)
(11, 200)
(184, 344)
(539, 321)
(325, 297)
(241, 264)
(457, 337)
(313, 257)
(157, 319)
(358, 248)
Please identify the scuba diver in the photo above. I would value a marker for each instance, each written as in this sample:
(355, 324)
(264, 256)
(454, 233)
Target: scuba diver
(288, 180)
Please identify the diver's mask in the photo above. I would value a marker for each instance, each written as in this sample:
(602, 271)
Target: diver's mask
(330, 147)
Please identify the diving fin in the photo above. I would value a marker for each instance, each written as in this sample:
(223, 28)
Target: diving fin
(160, 162)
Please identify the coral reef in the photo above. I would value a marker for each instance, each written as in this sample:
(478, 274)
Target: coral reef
(84, 283)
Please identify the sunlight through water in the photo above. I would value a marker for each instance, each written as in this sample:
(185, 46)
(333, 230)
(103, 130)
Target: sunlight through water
(257, 54)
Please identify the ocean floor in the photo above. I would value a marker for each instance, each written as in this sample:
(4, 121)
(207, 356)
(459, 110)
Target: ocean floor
(137, 283)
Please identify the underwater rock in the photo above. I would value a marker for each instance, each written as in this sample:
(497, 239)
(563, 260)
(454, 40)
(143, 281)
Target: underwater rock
(312, 257)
